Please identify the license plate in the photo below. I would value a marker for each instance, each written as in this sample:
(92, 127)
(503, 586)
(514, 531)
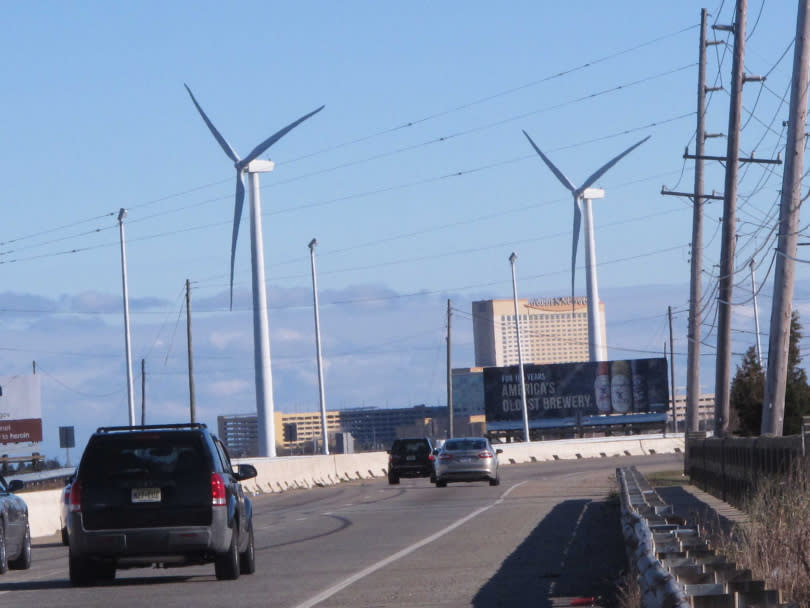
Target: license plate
(410, 458)
(145, 494)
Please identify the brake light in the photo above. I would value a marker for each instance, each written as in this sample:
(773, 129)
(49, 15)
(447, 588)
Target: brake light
(217, 490)
(431, 458)
(485, 454)
(75, 501)
(445, 456)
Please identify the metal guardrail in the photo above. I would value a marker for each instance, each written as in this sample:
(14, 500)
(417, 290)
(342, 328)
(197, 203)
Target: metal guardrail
(676, 567)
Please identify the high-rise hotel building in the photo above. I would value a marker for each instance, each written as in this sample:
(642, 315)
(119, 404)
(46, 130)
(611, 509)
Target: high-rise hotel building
(552, 330)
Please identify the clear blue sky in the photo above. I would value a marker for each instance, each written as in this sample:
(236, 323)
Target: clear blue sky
(415, 179)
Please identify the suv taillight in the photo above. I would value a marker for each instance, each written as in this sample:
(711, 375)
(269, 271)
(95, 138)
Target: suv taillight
(218, 496)
(75, 500)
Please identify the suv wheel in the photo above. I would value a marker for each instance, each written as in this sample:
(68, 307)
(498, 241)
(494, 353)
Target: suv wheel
(23, 562)
(393, 479)
(80, 571)
(441, 483)
(247, 559)
(3, 553)
(226, 565)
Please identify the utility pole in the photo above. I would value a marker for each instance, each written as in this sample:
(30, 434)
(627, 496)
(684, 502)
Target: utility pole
(672, 371)
(192, 404)
(698, 200)
(722, 386)
(773, 408)
(319, 356)
(143, 392)
(449, 373)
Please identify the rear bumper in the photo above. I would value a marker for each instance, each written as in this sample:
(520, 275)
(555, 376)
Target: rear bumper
(149, 545)
(445, 473)
(412, 471)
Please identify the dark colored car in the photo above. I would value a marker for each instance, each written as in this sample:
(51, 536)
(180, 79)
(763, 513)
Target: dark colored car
(410, 457)
(15, 534)
(161, 494)
(467, 459)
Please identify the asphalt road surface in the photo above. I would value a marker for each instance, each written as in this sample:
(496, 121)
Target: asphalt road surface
(549, 531)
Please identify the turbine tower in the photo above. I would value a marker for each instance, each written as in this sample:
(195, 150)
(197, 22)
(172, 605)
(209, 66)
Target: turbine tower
(252, 165)
(597, 350)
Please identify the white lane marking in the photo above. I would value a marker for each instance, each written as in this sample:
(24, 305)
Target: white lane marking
(326, 594)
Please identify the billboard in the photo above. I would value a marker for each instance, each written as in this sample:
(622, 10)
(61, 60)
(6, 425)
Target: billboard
(559, 393)
(20, 409)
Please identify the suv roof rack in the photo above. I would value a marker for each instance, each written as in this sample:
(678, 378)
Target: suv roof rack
(152, 427)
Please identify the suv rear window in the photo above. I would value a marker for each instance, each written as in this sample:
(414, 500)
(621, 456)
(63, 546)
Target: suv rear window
(414, 446)
(144, 455)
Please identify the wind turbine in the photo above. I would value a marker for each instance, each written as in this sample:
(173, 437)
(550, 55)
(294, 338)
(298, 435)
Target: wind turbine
(597, 349)
(252, 165)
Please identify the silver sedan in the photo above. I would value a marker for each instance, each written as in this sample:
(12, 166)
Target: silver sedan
(467, 459)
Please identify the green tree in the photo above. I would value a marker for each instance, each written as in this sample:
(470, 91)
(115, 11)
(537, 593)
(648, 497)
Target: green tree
(747, 395)
(748, 390)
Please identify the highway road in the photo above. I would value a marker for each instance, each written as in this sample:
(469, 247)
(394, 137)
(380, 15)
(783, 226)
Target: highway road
(550, 530)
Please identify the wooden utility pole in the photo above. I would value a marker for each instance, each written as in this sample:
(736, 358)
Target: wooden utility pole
(449, 374)
(192, 404)
(695, 275)
(773, 408)
(722, 387)
(672, 371)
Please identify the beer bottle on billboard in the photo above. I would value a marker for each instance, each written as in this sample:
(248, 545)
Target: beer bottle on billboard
(639, 378)
(621, 395)
(601, 387)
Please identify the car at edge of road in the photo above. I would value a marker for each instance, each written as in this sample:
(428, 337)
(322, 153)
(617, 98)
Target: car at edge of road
(64, 505)
(467, 459)
(15, 533)
(159, 494)
(410, 457)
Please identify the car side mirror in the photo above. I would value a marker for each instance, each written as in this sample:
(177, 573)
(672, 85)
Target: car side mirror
(246, 471)
(499, 451)
(15, 485)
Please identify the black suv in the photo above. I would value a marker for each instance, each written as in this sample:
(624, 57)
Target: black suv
(411, 457)
(161, 494)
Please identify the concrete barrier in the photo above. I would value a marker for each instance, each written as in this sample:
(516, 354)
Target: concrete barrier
(304, 472)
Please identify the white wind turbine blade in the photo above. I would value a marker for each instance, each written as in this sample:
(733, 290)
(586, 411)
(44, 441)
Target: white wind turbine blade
(237, 218)
(226, 147)
(575, 241)
(275, 137)
(577, 208)
(604, 168)
(559, 174)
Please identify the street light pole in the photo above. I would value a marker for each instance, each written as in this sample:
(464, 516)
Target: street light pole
(324, 428)
(130, 397)
(512, 259)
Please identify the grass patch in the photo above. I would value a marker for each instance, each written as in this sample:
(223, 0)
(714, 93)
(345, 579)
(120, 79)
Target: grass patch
(775, 541)
(667, 478)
